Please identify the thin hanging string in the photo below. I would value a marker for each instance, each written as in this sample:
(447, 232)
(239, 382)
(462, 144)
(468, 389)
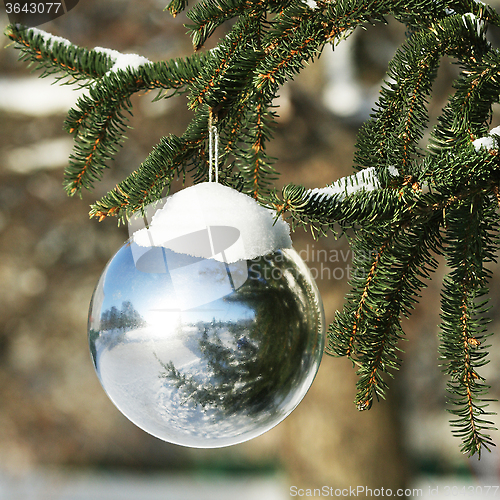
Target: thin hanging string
(213, 150)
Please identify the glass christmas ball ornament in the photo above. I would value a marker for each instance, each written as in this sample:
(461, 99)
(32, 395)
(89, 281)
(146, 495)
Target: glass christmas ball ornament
(201, 334)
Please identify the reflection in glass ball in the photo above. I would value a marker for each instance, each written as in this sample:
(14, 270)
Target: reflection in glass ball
(204, 353)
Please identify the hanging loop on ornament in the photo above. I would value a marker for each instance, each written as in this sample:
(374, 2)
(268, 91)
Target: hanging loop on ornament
(213, 149)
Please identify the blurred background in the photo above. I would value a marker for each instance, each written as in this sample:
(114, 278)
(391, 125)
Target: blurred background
(61, 437)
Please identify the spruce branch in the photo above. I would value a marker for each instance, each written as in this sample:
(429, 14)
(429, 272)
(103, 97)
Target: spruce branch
(390, 264)
(470, 243)
(98, 126)
(175, 7)
(224, 78)
(98, 122)
(56, 55)
(353, 200)
(466, 115)
(255, 164)
(208, 15)
(146, 185)
(402, 106)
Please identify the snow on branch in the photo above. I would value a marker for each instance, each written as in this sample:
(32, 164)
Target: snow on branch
(488, 142)
(470, 20)
(124, 62)
(364, 180)
(311, 4)
(48, 38)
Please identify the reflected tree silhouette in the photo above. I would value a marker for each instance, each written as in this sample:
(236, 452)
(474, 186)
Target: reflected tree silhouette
(120, 321)
(252, 365)
(128, 318)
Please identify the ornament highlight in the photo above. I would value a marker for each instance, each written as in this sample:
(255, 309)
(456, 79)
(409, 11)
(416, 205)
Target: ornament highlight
(211, 334)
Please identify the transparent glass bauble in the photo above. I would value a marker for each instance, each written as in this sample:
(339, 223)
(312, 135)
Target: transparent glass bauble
(203, 353)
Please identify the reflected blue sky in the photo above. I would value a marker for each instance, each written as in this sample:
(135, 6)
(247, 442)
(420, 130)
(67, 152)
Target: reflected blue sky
(122, 275)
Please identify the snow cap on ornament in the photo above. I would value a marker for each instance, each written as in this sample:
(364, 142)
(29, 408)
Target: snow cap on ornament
(212, 221)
